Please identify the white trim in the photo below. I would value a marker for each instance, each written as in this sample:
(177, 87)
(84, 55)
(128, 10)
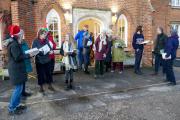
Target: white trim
(176, 26)
(122, 16)
(175, 3)
(54, 13)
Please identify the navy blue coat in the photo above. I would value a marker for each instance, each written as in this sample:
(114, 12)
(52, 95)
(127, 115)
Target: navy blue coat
(138, 38)
(171, 46)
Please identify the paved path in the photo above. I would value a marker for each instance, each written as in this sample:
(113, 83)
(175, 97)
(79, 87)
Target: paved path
(102, 98)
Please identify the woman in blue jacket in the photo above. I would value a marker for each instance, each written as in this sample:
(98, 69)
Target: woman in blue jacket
(171, 47)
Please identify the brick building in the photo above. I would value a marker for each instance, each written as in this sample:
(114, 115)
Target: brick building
(63, 16)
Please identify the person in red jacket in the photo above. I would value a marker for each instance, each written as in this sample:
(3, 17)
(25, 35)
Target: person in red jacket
(53, 47)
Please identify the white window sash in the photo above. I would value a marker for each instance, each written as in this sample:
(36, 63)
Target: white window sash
(175, 3)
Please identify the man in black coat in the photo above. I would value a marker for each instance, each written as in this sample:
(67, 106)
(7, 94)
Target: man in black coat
(16, 69)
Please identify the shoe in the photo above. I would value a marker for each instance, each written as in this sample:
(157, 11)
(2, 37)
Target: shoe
(21, 107)
(66, 82)
(41, 90)
(87, 72)
(71, 86)
(16, 112)
(67, 88)
(171, 84)
(95, 76)
(138, 73)
(112, 71)
(120, 72)
(51, 88)
(26, 94)
(154, 74)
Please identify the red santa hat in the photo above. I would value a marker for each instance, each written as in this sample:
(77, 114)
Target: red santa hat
(14, 30)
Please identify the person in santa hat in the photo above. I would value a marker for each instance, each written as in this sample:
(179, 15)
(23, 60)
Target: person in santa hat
(16, 69)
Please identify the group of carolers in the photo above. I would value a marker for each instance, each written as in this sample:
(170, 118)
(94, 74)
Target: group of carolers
(107, 49)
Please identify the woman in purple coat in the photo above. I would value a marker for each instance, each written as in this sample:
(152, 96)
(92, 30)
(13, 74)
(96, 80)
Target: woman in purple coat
(101, 50)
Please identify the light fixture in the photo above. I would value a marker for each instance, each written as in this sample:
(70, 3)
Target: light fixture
(68, 17)
(114, 9)
(114, 18)
(67, 6)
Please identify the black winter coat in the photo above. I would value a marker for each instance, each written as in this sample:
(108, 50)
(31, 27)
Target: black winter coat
(16, 64)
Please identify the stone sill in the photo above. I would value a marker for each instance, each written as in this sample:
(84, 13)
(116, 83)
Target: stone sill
(175, 7)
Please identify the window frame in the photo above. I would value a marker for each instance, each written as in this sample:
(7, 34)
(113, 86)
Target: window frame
(122, 16)
(175, 3)
(54, 14)
(174, 24)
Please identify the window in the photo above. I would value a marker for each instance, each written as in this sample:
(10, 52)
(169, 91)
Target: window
(53, 24)
(123, 28)
(177, 27)
(175, 3)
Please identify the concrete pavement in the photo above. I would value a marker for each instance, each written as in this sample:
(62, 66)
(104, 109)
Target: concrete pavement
(113, 97)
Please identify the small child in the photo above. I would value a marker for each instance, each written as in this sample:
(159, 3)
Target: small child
(69, 61)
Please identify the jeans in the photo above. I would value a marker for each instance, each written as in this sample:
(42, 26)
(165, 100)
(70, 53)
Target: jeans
(86, 61)
(69, 75)
(15, 98)
(80, 58)
(159, 61)
(169, 71)
(138, 57)
(24, 88)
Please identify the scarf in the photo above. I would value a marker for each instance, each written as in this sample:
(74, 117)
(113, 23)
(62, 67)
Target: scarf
(102, 42)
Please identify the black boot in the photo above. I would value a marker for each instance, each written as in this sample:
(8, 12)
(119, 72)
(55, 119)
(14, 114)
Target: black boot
(71, 84)
(41, 90)
(51, 88)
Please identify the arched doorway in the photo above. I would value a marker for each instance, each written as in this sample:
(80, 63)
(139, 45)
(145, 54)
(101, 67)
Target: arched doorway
(95, 25)
(54, 24)
(122, 27)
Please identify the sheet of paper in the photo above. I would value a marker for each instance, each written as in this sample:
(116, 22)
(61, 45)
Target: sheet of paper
(45, 49)
(33, 51)
(145, 42)
(164, 56)
(89, 43)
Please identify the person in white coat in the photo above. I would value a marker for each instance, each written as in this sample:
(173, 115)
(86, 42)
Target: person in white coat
(69, 61)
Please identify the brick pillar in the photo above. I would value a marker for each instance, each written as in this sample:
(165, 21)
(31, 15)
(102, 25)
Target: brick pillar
(15, 13)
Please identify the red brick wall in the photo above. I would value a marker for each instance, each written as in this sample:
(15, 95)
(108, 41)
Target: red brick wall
(32, 17)
(164, 15)
(22, 15)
